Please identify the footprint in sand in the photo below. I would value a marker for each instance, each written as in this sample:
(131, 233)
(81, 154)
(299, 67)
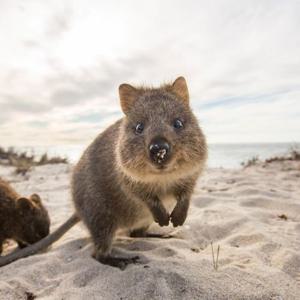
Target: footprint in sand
(82, 278)
(292, 266)
(246, 240)
(297, 229)
(288, 261)
(203, 201)
(141, 245)
(165, 252)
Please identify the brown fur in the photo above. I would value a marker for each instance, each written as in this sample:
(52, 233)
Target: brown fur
(115, 185)
(24, 220)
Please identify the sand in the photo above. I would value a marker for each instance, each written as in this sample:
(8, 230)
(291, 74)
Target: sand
(253, 214)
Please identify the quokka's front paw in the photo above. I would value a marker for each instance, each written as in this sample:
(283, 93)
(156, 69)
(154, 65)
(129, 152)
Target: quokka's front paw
(162, 218)
(178, 216)
(21, 245)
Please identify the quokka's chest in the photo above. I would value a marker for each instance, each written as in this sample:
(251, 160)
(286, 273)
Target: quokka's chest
(169, 202)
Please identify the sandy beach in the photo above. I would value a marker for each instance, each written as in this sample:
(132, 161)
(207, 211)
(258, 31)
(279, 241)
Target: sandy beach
(252, 213)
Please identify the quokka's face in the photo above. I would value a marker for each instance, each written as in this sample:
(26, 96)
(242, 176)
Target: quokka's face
(160, 135)
(35, 220)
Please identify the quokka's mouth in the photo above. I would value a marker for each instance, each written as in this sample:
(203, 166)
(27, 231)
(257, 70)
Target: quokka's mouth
(163, 167)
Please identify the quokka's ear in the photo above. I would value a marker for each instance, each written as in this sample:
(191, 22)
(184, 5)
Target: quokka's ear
(36, 199)
(179, 87)
(128, 95)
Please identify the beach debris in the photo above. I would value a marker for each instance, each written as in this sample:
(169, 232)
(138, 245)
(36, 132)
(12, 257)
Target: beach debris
(283, 217)
(215, 260)
(196, 250)
(29, 296)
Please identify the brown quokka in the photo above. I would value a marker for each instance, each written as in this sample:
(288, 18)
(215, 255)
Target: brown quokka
(24, 220)
(141, 169)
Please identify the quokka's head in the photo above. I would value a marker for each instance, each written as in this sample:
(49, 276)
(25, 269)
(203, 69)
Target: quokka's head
(159, 133)
(33, 219)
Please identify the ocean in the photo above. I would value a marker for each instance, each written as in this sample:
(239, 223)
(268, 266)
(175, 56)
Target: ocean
(219, 155)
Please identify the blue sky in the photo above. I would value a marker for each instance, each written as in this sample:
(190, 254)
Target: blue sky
(61, 63)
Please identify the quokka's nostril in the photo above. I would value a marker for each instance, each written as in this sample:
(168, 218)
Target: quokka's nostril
(162, 147)
(166, 147)
(154, 148)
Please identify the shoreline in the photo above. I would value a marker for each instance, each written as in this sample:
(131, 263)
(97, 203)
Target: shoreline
(220, 154)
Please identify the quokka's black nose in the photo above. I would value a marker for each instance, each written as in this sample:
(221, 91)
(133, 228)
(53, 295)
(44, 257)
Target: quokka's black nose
(159, 150)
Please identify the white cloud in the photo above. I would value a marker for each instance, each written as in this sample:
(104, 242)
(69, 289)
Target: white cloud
(272, 121)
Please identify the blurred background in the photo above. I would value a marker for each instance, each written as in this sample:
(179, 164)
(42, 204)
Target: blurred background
(61, 63)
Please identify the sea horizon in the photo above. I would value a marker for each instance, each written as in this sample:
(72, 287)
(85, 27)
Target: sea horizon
(226, 155)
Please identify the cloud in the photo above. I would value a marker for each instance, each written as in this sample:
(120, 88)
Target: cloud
(17, 104)
(62, 62)
(245, 99)
(99, 81)
(252, 121)
(59, 23)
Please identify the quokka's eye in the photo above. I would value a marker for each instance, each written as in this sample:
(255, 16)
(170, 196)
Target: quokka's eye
(139, 128)
(178, 124)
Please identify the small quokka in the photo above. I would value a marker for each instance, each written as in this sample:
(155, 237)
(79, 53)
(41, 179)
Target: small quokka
(24, 220)
(140, 170)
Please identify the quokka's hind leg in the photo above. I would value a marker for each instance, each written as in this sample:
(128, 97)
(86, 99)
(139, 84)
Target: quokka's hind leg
(102, 252)
(140, 232)
(102, 236)
(102, 230)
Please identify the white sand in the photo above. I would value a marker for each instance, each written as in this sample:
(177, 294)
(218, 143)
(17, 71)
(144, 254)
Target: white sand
(236, 209)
